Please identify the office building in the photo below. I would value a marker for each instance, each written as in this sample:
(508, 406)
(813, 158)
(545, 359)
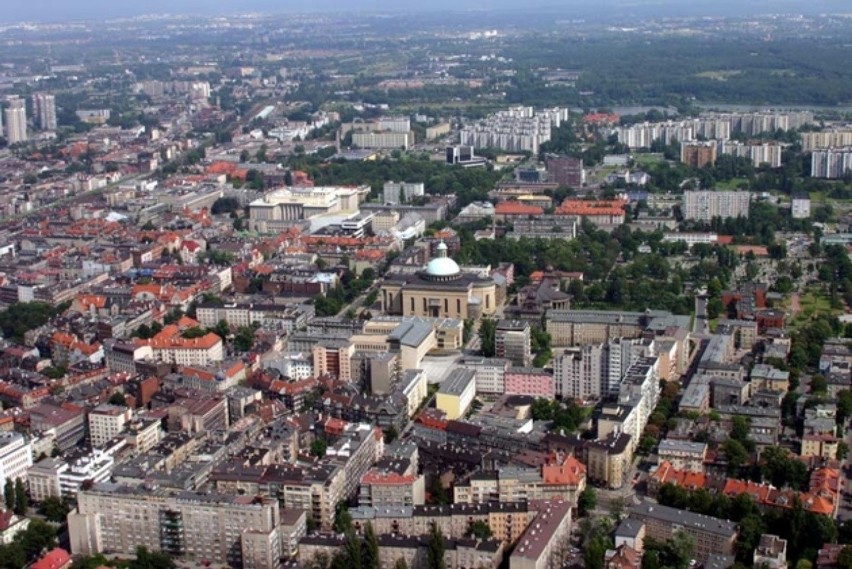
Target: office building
(16, 121)
(238, 531)
(44, 110)
(512, 342)
(107, 421)
(565, 170)
(399, 192)
(704, 205)
(16, 456)
(388, 140)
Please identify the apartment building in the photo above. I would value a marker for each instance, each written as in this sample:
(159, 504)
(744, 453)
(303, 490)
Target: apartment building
(517, 129)
(16, 456)
(800, 205)
(682, 455)
(106, 422)
(829, 139)
(239, 531)
(758, 153)
(710, 535)
(562, 478)
(389, 140)
(381, 489)
(595, 370)
(704, 205)
(541, 546)
(831, 163)
(698, 154)
(170, 346)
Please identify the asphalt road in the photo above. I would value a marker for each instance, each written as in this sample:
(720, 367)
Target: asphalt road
(701, 325)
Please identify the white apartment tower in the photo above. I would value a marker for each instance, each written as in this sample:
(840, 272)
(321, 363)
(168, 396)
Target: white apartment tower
(44, 110)
(16, 121)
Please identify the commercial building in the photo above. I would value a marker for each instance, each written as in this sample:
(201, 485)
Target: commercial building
(241, 531)
(16, 456)
(15, 116)
(704, 205)
(512, 342)
(277, 210)
(710, 535)
(170, 346)
(456, 393)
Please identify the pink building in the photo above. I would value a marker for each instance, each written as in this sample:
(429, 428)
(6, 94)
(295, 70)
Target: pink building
(528, 381)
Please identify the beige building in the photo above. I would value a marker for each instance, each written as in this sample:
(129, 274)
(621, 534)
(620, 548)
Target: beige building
(608, 460)
(107, 421)
(543, 544)
(440, 291)
(223, 529)
(381, 489)
(682, 455)
(710, 535)
(824, 446)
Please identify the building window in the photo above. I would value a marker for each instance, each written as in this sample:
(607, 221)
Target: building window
(412, 304)
(458, 306)
(446, 306)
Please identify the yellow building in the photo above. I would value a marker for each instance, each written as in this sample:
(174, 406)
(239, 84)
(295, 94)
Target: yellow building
(456, 393)
(441, 291)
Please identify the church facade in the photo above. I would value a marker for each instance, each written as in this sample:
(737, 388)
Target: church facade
(442, 290)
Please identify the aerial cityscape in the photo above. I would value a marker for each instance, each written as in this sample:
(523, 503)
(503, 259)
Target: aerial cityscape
(294, 286)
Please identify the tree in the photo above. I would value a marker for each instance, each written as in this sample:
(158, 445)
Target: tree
(21, 502)
(818, 384)
(587, 501)
(370, 557)
(435, 549)
(714, 308)
(479, 530)
(151, 560)
(38, 537)
(400, 564)
(318, 447)
(342, 518)
(781, 469)
(844, 558)
(735, 454)
(54, 509)
(487, 337)
(117, 398)
(9, 493)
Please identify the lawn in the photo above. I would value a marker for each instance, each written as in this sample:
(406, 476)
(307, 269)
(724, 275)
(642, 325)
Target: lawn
(732, 184)
(812, 302)
(646, 159)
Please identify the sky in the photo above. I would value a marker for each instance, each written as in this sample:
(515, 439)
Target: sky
(59, 10)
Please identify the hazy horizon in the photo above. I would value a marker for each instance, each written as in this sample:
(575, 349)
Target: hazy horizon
(62, 10)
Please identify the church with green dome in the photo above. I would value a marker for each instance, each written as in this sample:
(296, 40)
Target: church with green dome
(441, 290)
